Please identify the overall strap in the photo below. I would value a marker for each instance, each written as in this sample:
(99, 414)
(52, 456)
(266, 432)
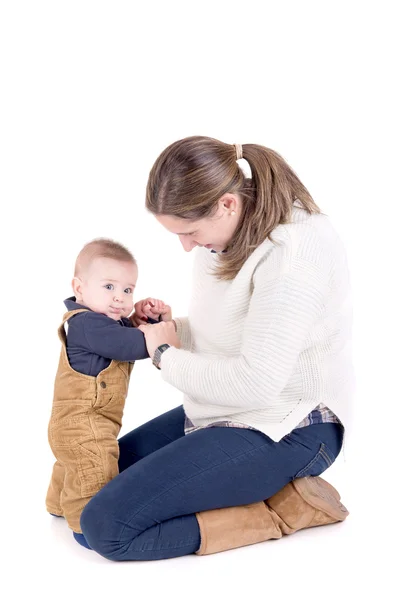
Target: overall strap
(68, 315)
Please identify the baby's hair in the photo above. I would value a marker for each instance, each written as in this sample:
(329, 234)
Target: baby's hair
(101, 248)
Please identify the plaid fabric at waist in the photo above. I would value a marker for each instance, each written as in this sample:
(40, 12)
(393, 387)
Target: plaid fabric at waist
(321, 414)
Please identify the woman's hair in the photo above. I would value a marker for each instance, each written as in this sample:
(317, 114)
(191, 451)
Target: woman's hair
(101, 248)
(191, 175)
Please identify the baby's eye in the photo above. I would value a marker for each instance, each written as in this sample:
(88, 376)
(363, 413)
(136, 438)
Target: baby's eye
(109, 286)
(128, 290)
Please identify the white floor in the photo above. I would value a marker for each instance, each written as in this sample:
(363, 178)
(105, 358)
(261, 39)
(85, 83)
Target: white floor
(331, 562)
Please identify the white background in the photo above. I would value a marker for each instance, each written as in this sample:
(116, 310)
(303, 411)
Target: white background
(91, 93)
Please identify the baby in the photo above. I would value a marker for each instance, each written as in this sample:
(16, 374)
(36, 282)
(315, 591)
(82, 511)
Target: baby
(91, 384)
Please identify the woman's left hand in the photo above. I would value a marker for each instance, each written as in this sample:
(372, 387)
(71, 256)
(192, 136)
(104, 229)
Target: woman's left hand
(160, 333)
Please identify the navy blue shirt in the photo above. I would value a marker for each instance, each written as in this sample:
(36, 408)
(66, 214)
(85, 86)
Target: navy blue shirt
(94, 340)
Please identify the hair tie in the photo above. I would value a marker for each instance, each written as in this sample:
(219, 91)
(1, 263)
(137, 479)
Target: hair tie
(239, 151)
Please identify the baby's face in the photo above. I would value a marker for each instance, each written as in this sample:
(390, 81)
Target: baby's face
(107, 287)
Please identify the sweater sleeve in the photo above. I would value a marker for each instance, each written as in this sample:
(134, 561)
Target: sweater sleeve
(183, 332)
(285, 303)
(108, 338)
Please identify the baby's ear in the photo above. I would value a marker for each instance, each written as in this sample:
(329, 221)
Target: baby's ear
(77, 287)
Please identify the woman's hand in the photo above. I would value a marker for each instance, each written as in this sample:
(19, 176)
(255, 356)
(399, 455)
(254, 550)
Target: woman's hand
(160, 333)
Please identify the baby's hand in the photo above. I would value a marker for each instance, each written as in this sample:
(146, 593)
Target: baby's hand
(150, 308)
(153, 308)
(166, 313)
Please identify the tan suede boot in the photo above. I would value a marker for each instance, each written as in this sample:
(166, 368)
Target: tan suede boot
(305, 502)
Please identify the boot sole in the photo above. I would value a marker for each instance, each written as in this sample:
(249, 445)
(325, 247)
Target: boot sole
(321, 495)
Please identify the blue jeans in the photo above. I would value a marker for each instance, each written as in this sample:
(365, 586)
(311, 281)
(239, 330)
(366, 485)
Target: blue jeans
(147, 511)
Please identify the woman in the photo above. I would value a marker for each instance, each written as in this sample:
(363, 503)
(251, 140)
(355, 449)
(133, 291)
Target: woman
(263, 362)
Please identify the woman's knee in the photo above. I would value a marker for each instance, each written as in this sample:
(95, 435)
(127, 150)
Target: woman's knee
(103, 531)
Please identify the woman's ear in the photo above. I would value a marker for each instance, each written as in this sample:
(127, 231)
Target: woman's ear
(230, 202)
(77, 288)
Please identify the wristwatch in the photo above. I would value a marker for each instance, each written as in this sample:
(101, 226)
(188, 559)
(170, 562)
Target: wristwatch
(158, 353)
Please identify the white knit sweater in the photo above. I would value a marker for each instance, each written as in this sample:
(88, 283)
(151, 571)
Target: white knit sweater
(268, 347)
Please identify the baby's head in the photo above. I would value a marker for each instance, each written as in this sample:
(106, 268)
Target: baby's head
(105, 278)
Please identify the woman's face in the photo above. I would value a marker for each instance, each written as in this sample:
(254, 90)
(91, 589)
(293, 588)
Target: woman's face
(213, 232)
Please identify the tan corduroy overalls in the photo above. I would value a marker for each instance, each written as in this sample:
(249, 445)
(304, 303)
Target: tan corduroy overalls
(84, 425)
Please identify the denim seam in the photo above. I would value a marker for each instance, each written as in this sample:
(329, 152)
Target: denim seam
(324, 452)
(169, 548)
(311, 463)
